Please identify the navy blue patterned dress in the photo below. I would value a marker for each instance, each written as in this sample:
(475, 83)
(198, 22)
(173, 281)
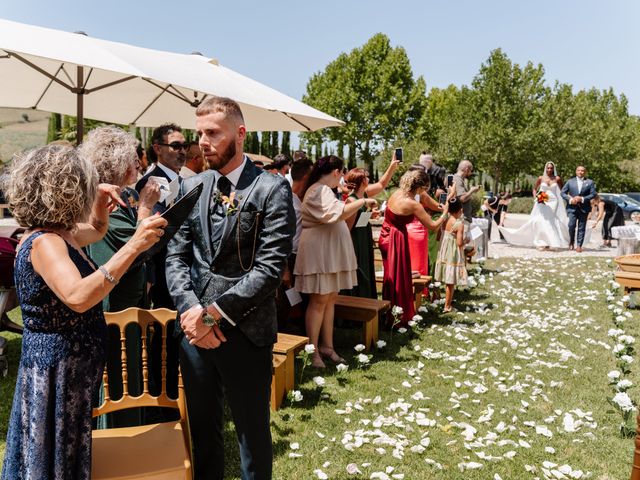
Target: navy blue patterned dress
(63, 355)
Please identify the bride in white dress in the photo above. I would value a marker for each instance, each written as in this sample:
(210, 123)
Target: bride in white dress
(547, 226)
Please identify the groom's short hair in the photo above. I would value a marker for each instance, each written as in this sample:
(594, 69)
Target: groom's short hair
(225, 105)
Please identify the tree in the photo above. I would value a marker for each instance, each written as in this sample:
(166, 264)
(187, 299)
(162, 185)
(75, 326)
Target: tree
(53, 130)
(265, 144)
(286, 144)
(252, 143)
(275, 149)
(506, 116)
(372, 89)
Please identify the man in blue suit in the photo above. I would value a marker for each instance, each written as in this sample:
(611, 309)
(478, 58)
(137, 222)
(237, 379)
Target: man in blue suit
(578, 193)
(223, 268)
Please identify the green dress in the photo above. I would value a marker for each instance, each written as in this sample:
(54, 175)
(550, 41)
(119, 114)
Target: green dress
(362, 238)
(129, 292)
(450, 266)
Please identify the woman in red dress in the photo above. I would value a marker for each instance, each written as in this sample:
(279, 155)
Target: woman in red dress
(401, 209)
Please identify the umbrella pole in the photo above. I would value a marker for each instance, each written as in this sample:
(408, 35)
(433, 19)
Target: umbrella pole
(80, 106)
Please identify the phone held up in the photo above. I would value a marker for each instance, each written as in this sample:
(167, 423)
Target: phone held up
(449, 180)
(399, 154)
(443, 198)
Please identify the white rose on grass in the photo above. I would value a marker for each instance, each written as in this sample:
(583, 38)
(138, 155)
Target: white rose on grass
(625, 298)
(437, 284)
(396, 310)
(341, 367)
(615, 284)
(619, 348)
(622, 400)
(362, 358)
(310, 348)
(381, 344)
(411, 323)
(402, 330)
(610, 307)
(624, 385)
(617, 311)
(626, 359)
(359, 347)
(615, 332)
(319, 381)
(613, 376)
(296, 396)
(626, 339)
(621, 318)
(417, 318)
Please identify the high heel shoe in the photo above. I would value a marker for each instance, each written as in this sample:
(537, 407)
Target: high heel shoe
(331, 354)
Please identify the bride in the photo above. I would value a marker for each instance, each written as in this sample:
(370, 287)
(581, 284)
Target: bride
(547, 226)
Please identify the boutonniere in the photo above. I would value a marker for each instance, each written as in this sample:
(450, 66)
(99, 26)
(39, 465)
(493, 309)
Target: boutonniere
(132, 201)
(231, 202)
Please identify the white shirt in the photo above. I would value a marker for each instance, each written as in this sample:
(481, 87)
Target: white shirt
(186, 172)
(580, 182)
(170, 173)
(233, 176)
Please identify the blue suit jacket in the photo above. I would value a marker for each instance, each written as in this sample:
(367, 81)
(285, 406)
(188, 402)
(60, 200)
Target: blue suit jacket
(242, 275)
(570, 189)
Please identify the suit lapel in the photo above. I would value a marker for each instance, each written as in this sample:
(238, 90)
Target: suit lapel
(245, 185)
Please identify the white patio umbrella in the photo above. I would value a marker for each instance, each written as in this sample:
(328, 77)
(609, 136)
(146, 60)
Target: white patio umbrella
(73, 74)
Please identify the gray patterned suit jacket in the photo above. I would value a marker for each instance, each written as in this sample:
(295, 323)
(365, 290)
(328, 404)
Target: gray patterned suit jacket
(245, 271)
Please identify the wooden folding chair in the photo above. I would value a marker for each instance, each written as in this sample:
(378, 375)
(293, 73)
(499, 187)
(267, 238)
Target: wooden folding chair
(159, 451)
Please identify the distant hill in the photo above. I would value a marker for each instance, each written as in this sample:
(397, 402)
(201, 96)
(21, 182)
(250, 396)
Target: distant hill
(18, 133)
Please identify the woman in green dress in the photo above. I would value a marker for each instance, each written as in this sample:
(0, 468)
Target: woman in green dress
(113, 152)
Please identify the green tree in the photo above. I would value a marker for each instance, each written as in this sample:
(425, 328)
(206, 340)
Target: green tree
(373, 90)
(252, 143)
(286, 144)
(275, 149)
(506, 117)
(265, 144)
(53, 130)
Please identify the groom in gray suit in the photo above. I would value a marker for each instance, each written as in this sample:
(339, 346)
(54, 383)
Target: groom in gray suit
(223, 268)
(578, 192)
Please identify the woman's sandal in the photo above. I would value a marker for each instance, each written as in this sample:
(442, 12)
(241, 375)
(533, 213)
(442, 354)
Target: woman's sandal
(331, 355)
(449, 310)
(316, 362)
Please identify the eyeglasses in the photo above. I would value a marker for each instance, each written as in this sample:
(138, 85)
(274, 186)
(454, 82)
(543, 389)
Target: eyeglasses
(176, 146)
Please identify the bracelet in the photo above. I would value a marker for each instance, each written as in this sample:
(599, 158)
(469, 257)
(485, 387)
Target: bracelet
(110, 278)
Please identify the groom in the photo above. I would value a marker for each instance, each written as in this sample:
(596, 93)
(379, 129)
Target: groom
(578, 192)
(223, 268)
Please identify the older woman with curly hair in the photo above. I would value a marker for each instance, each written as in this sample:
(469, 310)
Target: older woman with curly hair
(402, 208)
(54, 193)
(113, 152)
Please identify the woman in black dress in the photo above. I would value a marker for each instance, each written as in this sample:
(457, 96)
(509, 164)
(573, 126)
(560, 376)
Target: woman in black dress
(610, 214)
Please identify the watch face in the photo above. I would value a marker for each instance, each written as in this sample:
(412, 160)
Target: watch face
(208, 320)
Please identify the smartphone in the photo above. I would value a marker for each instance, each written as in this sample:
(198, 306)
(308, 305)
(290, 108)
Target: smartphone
(449, 180)
(443, 198)
(399, 154)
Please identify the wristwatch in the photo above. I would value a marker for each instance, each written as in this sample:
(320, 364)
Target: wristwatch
(209, 320)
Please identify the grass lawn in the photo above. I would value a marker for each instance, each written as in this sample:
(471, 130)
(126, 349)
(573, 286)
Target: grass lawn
(492, 393)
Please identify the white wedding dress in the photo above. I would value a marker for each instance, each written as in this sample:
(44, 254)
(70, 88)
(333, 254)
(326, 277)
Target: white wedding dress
(548, 225)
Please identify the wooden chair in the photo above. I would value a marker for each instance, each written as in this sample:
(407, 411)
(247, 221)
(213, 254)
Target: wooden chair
(160, 451)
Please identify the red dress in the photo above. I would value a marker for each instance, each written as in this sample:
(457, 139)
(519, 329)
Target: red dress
(394, 247)
(419, 246)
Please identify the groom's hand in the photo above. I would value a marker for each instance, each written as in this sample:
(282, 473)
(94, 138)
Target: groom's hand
(191, 323)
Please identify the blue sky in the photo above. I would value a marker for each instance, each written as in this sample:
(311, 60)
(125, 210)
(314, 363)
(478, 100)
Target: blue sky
(282, 43)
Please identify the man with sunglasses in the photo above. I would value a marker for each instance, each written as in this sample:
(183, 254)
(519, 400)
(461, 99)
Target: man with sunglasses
(169, 148)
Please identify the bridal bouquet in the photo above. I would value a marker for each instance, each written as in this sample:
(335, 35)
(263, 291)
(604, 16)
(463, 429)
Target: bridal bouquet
(542, 197)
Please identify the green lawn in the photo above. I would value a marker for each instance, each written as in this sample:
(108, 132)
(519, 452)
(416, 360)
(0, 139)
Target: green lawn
(497, 391)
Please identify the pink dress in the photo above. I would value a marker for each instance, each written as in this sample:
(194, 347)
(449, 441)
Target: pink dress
(419, 246)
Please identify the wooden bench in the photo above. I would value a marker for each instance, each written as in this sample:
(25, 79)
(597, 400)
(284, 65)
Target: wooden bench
(419, 284)
(288, 346)
(365, 310)
(278, 381)
(628, 280)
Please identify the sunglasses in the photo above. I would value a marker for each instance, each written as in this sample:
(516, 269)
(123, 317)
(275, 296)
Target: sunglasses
(176, 146)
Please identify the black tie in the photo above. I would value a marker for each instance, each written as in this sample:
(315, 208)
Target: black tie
(218, 214)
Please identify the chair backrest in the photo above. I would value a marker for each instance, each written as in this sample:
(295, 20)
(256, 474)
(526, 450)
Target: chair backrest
(158, 318)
